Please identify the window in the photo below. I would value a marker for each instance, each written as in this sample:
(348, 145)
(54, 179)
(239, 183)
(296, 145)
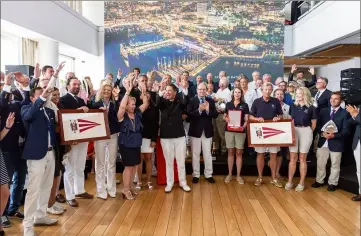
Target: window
(10, 51)
(75, 5)
(69, 65)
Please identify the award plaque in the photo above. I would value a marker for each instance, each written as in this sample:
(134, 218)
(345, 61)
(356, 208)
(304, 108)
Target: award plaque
(78, 126)
(235, 121)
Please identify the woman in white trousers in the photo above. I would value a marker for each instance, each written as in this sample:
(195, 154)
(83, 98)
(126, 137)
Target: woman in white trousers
(105, 169)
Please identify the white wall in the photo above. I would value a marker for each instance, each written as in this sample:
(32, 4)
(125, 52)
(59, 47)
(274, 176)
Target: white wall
(53, 19)
(329, 21)
(333, 71)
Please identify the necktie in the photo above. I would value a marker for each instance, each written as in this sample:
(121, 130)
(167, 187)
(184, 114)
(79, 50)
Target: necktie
(317, 95)
(202, 100)
(332, 114)
(50, 129)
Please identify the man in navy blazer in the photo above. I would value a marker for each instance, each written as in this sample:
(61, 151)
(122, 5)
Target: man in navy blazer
(356, 119)
(40, 156)
(74, 169)
(201, 110)
(323, 95)
(331, 144)
(11, 146)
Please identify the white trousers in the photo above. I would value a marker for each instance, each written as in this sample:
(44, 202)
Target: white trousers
(74, 171)
(323, 154)
(204, 144)
(357, 156)
(105, 167)
(174, 147)
(41, 176)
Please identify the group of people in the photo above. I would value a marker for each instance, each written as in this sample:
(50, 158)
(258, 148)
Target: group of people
(186, 116)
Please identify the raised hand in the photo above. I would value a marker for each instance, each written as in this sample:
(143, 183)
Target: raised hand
(47, 92)
(8, 78)
(353, 110)
(294, 68)
(10, 120)
(60, 67)
(37, 71)
(312, 70)
(120, 72)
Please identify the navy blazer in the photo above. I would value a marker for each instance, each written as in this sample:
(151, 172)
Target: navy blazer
(37, 140)
(324, 100)
(340, 118)
(200, 123)
(112, 115)
(68, 102)
(11, 140)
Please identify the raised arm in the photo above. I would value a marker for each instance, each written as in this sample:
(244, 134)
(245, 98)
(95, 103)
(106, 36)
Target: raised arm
(290, 75)
(124, 102)
(143, 95)
(9, 123)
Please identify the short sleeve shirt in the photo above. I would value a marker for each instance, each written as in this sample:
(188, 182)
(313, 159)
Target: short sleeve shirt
(242, 106)
(302, 115)
(266, 109)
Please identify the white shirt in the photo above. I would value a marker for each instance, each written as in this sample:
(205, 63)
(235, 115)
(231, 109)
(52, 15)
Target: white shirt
(224, 94)
(258, 92)
(252, 85)
(336, 109)
(249, 97)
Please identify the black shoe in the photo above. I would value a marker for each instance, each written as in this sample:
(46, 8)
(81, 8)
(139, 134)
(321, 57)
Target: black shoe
(331, 188)
(2, 232)
(356, 198)
(195, 180)
(5, 223)
(17, 215)
(316, 185)
(210, 180)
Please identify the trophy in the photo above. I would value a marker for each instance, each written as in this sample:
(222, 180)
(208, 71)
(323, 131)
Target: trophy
(221, 105)
(330, 127)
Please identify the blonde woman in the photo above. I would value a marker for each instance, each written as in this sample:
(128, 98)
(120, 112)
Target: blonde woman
(105, 170)
(304, 116)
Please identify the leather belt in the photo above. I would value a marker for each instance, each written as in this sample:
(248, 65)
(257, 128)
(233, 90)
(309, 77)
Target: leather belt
(300, 126)
(50, 149)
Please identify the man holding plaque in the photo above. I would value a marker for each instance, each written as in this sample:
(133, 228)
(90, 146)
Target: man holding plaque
(201, 110)
(332, 127)
(266, 108)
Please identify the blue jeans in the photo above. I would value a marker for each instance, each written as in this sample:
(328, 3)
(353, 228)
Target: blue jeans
(17, 170)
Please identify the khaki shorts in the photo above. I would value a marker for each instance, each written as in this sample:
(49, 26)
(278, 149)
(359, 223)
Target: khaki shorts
(235, 140)
(304, 138)
(269, 149)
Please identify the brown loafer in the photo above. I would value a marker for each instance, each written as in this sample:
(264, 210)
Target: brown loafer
(60, 198)
(357, 198)
(84, 195)
(72, 203)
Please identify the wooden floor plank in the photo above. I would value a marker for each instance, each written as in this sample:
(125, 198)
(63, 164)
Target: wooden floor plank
(229, 215)
(209, 227)
(209, 210)
(219, 219)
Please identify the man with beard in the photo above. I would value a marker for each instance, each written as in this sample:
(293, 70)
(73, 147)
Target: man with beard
(75, 164)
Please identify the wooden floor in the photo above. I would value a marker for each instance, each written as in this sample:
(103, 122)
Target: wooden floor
(211, 209)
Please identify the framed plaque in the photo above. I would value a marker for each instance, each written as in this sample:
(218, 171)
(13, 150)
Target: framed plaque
(271, 134)
(78, 126)
(235, 121)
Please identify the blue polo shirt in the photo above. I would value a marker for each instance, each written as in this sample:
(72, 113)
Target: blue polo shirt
(242, 106)
(302, 116)
(266, 109)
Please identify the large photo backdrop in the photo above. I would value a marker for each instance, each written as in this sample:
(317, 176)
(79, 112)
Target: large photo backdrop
(200, 37)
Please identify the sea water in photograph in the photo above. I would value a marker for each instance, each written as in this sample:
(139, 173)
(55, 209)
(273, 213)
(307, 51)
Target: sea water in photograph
(171, 37)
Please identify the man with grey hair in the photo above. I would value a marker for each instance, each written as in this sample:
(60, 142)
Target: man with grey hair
(255, 77)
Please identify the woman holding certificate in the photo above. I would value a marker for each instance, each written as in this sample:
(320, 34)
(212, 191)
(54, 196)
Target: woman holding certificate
(236, 116)
(304, 117)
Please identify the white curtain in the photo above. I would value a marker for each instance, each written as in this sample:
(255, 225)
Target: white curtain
(29, 52)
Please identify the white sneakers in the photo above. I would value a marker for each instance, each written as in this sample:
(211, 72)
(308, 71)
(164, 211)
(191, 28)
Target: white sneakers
(45, 221)
(29, 231)
(299, 187)
(56, 209)
(169, 188)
